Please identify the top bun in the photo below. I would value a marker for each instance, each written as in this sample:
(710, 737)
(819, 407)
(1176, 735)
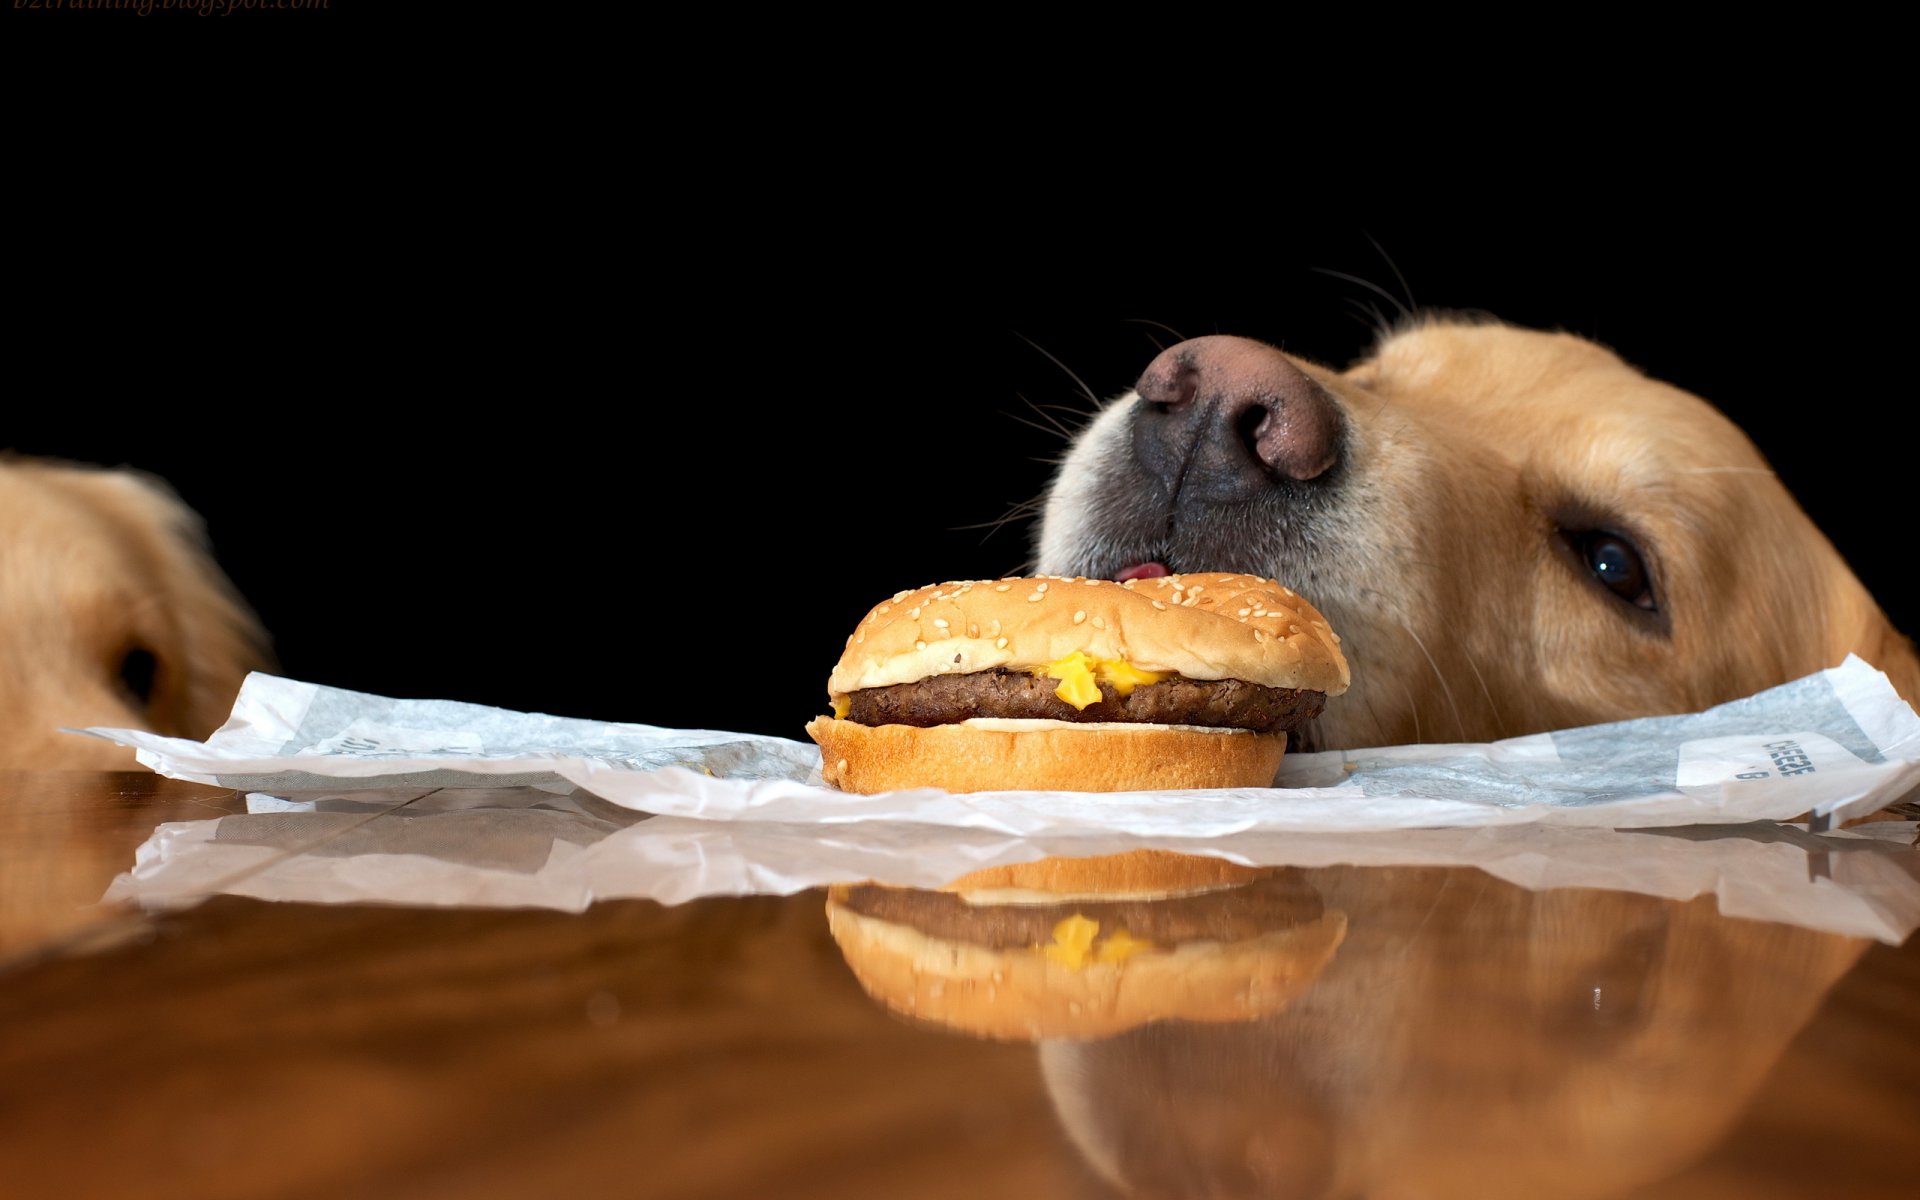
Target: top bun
(1205, 625)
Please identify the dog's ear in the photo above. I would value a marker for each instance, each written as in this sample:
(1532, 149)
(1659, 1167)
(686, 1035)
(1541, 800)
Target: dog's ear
(1890, 651)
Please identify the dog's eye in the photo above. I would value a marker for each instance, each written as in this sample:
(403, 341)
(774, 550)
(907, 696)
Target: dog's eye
(137, 670)
(1616, 562)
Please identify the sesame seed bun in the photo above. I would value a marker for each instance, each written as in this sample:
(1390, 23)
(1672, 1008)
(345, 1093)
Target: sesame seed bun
(1206, 627)
(1250, 969)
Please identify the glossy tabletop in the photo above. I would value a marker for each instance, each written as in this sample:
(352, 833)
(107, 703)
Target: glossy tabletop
(1454, 1035)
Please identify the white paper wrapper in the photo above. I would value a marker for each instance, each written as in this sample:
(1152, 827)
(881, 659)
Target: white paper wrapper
(1837, 744)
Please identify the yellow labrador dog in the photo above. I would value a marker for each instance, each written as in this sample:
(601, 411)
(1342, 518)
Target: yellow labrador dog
(1513, 531)
(111, 613)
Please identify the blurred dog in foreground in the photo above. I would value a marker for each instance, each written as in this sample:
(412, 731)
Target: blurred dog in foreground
(112, 612)
(1513, 531)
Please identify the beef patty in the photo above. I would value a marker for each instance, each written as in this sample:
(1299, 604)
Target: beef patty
(1247, 910)
(1217, 703)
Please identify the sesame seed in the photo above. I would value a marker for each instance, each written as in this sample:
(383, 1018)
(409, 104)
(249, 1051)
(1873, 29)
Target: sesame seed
(973, 630)
(859, 637)
(841, 765)
(1041, 588)
(1258, 636)
(919, 645)
(1036, 597)
(1001, 644)
(1245, 612)
(899, 596)
(1079, 616)
(1160, 606)
(995, 631)
(939, 622)
(1099, 622)
(884, 610)
(913, 613)
(1003, 587)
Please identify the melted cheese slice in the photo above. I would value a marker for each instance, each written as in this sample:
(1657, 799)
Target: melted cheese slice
(1073, 944)
(1080, 677)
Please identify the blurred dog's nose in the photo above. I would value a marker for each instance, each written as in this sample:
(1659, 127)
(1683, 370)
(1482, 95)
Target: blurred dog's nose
(1221, 416)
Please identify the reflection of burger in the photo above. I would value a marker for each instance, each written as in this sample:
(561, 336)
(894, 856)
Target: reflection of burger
(1087, 948)
(1180, 681)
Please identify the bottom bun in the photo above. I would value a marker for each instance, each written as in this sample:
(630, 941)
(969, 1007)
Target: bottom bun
(983, 756)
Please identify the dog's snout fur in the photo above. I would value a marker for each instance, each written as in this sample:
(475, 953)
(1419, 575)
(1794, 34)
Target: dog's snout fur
(1223, 417)
(113, 613)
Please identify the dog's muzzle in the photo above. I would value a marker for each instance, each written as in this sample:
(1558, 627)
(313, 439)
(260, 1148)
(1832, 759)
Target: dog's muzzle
(1222, 420)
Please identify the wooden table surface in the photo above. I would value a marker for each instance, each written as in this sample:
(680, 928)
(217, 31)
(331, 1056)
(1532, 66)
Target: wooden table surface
(1468, 1038)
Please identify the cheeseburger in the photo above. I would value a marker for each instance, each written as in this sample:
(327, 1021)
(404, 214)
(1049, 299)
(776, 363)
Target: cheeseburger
(1088, 948)
(1179, 681)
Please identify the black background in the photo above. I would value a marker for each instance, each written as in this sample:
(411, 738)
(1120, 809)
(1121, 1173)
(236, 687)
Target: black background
(664, 493)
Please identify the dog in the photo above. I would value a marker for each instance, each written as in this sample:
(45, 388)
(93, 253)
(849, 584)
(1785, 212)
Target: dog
(1512, 530)
(112, 612)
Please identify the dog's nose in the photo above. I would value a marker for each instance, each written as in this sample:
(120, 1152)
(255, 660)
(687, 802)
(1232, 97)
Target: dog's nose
(1223, 414)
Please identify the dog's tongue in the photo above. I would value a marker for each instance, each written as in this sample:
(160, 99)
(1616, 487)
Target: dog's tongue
(1146, 570)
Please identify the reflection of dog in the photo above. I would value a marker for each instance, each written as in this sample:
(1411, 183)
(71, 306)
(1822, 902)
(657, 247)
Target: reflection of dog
(1513, 531)
(1471, 1039)
(111, 613)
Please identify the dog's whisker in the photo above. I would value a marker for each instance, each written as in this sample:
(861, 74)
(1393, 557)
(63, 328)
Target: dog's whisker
(1390, 607)
(1024, 509)
(1411, 307)
(1375, 288)
(1413, 709)
(1005, 518)
(1065, 430)
(1021, 511)
(1726, 471)
(1079, 382)
(1493, 706)
(1051, 427)
(1170, 331)
(1370, 316)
